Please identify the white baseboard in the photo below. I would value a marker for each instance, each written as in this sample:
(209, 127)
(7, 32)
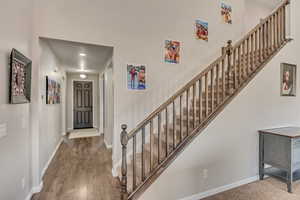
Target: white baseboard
(221, 189)
(108, 146)
(115, 168)
(114, 172)
(29, 196)
(35, 190)
(51, 157)
(39, 188)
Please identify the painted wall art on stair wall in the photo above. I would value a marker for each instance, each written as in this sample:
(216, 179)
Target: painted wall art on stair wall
(136, 77)
(172, 51)
(20, 78)
(288, 79)
(226, 12)
(201, 30)
(53, 91)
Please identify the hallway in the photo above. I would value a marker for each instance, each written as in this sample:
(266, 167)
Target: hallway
(81, 170)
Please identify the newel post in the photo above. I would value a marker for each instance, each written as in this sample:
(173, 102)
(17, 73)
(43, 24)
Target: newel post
(124, 142)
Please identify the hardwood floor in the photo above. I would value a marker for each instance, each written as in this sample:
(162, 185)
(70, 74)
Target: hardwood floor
(81, 170)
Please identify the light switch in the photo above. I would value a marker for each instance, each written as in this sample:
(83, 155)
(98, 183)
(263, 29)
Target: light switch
(3, 130)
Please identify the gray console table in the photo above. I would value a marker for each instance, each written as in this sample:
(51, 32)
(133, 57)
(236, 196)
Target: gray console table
(280, 148)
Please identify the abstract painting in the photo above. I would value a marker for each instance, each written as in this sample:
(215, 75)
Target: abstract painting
(20, 78)
(288, 79)
(136, 77)
(53, 91)
(172, 51)
(201, 30)
(226, 12)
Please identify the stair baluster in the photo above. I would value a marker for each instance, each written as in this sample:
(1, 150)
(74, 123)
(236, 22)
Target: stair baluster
(200, 101)
(174, 126)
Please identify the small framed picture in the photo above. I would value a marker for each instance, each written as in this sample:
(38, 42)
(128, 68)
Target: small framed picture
(226, 12)
(20, 78)
(53, 91)
(288, 79)
(172, 51)
(201, 30)
(136, 77)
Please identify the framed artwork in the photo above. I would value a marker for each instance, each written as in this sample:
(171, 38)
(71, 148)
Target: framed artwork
(136, 77)
(53, 91)
(172, 51)
(201, 30)
(226, 12)
(20, 78)
(288, 79)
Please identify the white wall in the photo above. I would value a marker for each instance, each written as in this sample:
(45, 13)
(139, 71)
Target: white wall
(228, 148)
(96, 111)
(51, 126)
(101, 103)
(261, 10)
(109, 106)
(137, 30)
(16, 32)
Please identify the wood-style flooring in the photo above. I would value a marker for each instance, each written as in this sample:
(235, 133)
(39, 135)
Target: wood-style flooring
(80, 170)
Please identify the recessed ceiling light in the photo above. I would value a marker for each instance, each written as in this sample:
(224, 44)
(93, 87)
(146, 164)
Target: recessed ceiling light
(82, 76)
(82, 54)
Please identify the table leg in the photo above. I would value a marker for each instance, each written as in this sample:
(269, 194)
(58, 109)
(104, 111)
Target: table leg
(290, 182)
(261, 157)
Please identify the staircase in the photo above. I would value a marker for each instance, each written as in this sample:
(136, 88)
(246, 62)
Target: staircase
(152, 146)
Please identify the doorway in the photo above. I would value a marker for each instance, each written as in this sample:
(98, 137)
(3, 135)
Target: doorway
(83, 104)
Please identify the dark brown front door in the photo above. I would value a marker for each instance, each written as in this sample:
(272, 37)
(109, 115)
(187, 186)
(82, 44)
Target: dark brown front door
(83, 104)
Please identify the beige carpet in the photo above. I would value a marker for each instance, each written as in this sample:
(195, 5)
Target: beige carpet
(83, 133)
(268, 189)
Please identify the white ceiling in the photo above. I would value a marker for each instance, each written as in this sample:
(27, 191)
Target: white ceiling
(69, 56)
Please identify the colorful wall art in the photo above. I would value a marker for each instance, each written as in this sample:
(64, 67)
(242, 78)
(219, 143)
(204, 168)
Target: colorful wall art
(53, 91)
(136, 77)
(201, 30)
(20, 78)
(226, 12)
(172, 51)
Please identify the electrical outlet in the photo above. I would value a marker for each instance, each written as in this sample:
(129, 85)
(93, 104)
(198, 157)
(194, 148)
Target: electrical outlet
(3, 130)
(23, 182)
(205, 173)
